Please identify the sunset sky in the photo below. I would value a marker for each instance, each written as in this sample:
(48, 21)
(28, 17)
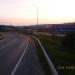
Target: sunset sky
(24, 12)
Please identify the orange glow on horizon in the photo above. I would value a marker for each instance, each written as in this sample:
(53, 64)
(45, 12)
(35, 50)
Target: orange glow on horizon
(33, 22)
(24, 12)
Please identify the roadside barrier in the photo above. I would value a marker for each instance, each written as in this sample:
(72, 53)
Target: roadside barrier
(51, 66)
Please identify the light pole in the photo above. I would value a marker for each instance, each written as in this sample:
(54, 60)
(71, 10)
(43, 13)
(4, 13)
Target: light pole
(37, 15)
(36, 8)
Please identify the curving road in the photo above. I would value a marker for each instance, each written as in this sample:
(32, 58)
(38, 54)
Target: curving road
(18, 56)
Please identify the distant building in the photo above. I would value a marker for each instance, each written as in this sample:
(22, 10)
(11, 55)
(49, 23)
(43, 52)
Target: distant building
(63, 28)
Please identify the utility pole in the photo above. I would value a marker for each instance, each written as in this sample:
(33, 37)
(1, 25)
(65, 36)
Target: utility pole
(37, 15)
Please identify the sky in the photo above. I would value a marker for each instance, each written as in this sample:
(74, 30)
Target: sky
(24, 12)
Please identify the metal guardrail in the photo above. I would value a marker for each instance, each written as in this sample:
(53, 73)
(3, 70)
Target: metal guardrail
(51, 66)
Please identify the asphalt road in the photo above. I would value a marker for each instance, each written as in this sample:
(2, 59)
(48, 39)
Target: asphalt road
(18, 56)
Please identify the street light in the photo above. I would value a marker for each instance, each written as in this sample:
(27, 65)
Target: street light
(35, 4)
(37, 15)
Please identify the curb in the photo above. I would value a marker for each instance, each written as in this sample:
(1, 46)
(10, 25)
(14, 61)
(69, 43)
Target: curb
(51, 66)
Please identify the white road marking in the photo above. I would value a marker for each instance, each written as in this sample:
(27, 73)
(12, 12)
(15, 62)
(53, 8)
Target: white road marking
(19, 61)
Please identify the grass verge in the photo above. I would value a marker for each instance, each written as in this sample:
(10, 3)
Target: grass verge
(63, 60)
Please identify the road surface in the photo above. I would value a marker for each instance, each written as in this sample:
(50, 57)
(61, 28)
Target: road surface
(18, 56)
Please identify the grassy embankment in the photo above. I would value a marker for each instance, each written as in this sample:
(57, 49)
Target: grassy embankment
(63, 60)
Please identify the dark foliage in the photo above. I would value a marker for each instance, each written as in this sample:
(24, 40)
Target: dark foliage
(68, 41)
